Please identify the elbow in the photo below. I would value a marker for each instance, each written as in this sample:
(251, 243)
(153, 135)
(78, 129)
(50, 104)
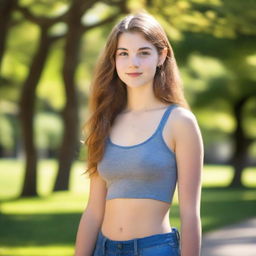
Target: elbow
(191, 216)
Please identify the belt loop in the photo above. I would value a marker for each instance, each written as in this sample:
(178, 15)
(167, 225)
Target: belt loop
(178, 234)
(176, 231)
(103, 245)
(135, 243)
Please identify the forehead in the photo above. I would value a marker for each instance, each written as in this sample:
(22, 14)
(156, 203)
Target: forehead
(133, 41)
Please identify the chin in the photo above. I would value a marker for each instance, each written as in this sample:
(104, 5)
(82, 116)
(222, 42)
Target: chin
(136, 85)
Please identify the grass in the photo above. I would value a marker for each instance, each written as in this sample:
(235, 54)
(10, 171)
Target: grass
(47, 226)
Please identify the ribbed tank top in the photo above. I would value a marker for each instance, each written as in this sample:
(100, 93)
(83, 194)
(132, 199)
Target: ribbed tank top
(144, 170)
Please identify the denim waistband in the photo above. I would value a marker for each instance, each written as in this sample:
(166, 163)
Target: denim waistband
(138, 243)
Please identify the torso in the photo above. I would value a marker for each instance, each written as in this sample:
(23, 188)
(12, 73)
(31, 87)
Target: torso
(129, 218)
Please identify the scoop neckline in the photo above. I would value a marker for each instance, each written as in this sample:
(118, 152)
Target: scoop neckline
(143, 142)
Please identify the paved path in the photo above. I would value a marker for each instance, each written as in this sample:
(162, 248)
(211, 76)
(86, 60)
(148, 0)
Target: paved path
(235, 240)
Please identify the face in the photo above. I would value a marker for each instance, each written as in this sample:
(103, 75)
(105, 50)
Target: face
(136, 60)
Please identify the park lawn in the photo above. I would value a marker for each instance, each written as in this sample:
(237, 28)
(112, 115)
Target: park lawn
(46, 226)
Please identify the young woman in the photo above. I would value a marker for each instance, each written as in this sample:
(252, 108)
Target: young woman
(142, 140)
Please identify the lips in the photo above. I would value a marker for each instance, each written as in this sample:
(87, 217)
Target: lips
(133, 74)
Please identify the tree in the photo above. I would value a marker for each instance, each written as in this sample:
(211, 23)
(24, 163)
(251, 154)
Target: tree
(28, 96)
(72, 18)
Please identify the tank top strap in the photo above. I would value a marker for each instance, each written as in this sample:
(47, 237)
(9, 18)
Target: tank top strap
(166, 115)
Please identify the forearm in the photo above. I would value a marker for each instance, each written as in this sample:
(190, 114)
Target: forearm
(191, 233)
(87, 233)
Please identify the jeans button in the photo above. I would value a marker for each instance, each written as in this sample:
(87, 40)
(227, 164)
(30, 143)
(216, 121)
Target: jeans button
(119, 246)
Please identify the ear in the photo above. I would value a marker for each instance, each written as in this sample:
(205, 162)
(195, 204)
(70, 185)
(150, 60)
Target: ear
(162, 56)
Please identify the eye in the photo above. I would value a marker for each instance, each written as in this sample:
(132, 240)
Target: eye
(145, 53)
(122, 54)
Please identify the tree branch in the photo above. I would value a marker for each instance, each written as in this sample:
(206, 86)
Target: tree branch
(40, 20)
(81, 6)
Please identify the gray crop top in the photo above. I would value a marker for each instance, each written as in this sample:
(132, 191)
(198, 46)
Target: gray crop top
(144, 170)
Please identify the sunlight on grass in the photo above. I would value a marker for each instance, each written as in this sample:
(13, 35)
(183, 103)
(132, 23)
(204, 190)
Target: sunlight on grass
(220, 176)
(249, 177)
(59, 202)
(12, 173)
(38, 251)
(47, 173)
(216, 175)
(73, 200)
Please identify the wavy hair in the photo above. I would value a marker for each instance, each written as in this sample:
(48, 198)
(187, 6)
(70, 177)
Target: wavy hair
(108, 94)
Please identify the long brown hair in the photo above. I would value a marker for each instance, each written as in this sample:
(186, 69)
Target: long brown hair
(108, 94)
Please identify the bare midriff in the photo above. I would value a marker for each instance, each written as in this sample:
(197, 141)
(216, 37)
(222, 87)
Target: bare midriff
(130, 218)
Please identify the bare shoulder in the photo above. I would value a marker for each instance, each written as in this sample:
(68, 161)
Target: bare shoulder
(185, 126)
(183, 117)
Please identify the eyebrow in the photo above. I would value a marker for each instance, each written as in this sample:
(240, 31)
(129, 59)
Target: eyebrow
(142, 48)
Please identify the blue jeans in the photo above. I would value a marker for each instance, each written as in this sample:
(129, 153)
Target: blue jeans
(164, 244)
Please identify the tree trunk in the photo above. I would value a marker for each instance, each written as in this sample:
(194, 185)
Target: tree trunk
(6, 7)
(70, 113)
(239, 159)
(27, 111)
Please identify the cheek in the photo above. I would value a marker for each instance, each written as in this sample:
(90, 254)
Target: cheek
(120, 68)
(119, 64)
(149, 66)
(150, 63)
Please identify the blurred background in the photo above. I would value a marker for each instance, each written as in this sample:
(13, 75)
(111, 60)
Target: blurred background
(48, 50)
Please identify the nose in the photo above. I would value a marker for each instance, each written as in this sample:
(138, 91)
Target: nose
(134, 61)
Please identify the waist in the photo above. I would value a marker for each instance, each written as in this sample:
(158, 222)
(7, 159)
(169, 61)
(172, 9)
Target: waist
(128, 218)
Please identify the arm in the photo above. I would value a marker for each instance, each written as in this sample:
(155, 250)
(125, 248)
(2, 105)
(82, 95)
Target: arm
(92, 218)
(189, 156)
(87, 234)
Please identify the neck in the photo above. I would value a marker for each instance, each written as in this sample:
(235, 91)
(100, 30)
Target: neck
(142, 99)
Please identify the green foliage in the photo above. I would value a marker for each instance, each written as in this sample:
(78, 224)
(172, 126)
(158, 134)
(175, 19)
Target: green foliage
(6, 133)
(47, 8)
(22, 42)
(50, 89)
(48, 131)
(241, 14)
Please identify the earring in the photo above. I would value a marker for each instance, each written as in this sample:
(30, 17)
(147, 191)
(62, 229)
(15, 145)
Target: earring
(162, 75)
